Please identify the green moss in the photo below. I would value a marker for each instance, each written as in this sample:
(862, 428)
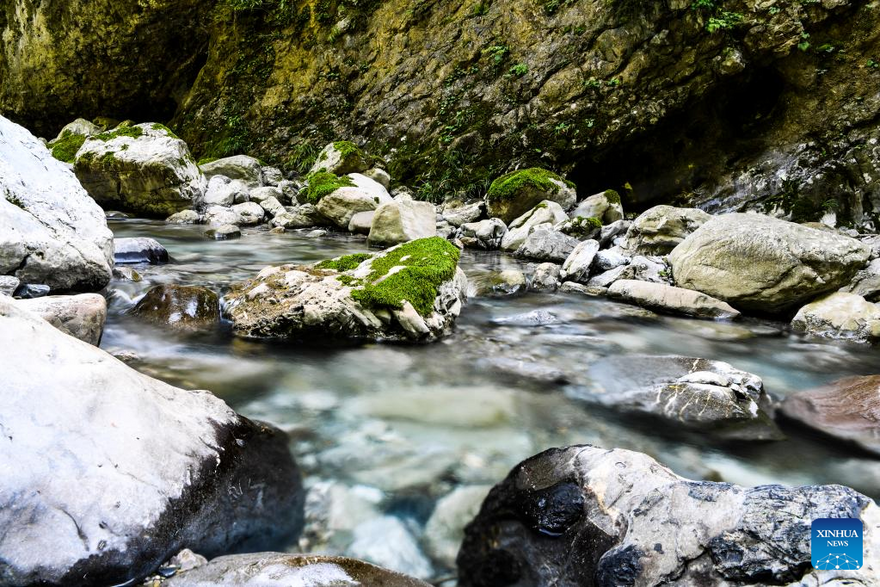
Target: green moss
(346, 263)
(508, 186)
(427, 263)
(206, 160)
(346, 148)
(612, 196)
(162, 127)
(121, 131)
(65, 148)
(323, 183)
(107, 159)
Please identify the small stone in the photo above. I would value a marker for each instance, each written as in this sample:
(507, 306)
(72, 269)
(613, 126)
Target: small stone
(223, 232)
(29, 291)
(8, 284)
(184, 217)
(545, 277)
(139, 250)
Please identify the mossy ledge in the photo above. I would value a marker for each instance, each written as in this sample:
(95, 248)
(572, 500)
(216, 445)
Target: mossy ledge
(508, 186)
(323, 183)
(66, 147)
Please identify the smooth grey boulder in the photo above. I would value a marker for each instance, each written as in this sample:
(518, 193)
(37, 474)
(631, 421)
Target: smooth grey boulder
(238, 167)
(711, 397)
(840, 315)
(340, 205)
(652, 269)
(303, 216)
(661, 297)
(51, 231)
(759, 263)
(582, 515)
(662, 228)
(108, 472)
(576, 266)
(223, 191)
(81, 316)
(139, 250)
(184, 217)
(400, 222)
(547, 244)
(546, 212)
(249, 213)
(263, 569)
(465, 214)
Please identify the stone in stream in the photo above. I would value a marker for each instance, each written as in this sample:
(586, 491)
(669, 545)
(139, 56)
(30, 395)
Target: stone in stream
(445, 528)
(840, 315)
(576, 267)
(583, 515)
(249, 213)
(400, 222)
(223, 191)
(411, 292)
(848, 409)
(485, 234)
(108, 472)
(140, 168)
(51, 231)
(662, 228)
(547, 212)
(182, 307)
(81, 316)
(759, 263)
(673, 300)
(242, 168)
(499, 283)
(223, 232)
(697, 394)
(139, 250)
(386, 541)
(514, 194)
(8, 284)
(31, 291)
(184, 217)
(465, 214)
(545, 278)
(263, 569)
(545, 243)
(346, 196)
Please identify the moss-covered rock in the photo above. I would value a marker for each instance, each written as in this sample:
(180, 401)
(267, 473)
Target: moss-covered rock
(517, 192)
(412, 292)
(65, 146)
(340, 158)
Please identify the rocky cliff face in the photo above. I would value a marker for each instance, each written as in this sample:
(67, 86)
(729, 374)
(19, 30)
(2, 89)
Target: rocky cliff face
(722, 103)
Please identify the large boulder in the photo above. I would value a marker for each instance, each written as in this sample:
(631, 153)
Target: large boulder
(545, 243)
(81, 316)
(65, 146)
(661, 297)
(411, 292)
(403, 221)
(759, 263)
(660, 229)
(242, 168)
(710, 397)
(514, 194)
(181, 307)
(589, 516)
(847, 409)
(108, 472)
(51, 231)
(518, 231)
(339, 198)
(840, 315)
(294, 570)
(142, 168)
(576, 266)
(340, 158)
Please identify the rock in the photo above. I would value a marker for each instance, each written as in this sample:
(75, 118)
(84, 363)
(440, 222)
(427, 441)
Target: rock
(445, 528)
(605, 207)
(142, 169)
(662, 228)
(112, 472)
(260, 195)
(847, 409)
(611, 259)
(304, 216)
(293, 570)
(762, 264)
(400, 222)
(840, 315)
(362, 195)
(249, 213)
(581, 228)
(126, 274)
(386, 541)
(81, 316)
(272, 206)
(610, 233)
(30, 291)
(223, 191)
(184, 217)
(411, 292)
(711, 397)
(272, 176)
(627, 520)
(139, 250)
(576, 266)
(500, 283)
(547, 244)
(361, 223)
(220, 215)
(651, 269)
(182, 307)
(223, 232)
(518, 231)
(51, 231)
(866, 283)
(545, 277)
(240, 167)
(68, 142)
(380, 176)
(578, 288)
(485, 234)
(673, 300)
(340, 158)
(333, 510)
(517, 192)
(466, 214)
(8, 284)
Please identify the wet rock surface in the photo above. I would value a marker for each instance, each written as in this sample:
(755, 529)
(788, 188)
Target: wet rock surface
(138, 250)
(180, 307)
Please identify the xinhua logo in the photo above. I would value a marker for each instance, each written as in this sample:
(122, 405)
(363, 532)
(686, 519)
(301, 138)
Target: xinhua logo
(836, 543)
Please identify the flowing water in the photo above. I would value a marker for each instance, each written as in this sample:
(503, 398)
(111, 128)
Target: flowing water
(398, 427)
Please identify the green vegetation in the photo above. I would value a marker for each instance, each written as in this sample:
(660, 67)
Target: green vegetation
(582, 227)
(66, 147)
(346, 148)
(719, 19)
(518, 70)
(323, 183)
(302, 157)
(206, 160)
(508, 186)
(162, 127)
(612, 196)
(426, 263)
(345, 263)
(121, 131)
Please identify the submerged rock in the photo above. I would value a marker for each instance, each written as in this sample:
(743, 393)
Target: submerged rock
(708, 396)
(662, 228)
(81, 316)
(840, 315)
(500, 283)
(589, 516)
(139, 250)
(514, 194)
(411, 292)
(759, 263)
(182, 307)
(108, 472)
(674, 300)
(386, 541)
(223, 232)
(292, 570)
(444, 530)
(142, 168)
(848, 409)
(51, 231)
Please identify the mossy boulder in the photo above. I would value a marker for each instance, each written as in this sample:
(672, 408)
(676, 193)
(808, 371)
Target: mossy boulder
(181, 307)
(412, 292)
(606, 206)
(142, 168)
(517, 192)
(340, 158)
(338, 199)
(65, 146)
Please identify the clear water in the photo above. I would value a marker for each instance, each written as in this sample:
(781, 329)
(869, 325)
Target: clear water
(414, 422)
